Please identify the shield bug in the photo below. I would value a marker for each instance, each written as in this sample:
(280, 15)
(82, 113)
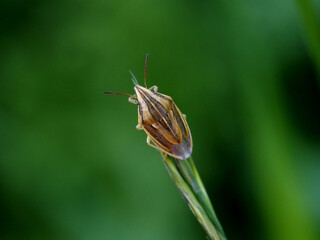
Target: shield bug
(161, 119)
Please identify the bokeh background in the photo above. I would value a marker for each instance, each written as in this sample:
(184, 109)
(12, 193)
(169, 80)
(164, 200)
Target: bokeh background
(246, 73)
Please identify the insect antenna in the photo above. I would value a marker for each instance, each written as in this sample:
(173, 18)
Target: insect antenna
(119, 93)
(134, 80)
(145, 70)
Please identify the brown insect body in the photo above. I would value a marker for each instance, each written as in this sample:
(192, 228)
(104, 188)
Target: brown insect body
(163, 123)
(161, 119)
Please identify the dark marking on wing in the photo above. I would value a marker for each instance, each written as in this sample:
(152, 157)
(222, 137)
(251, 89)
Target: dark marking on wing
(154, 110)
(181, 122)
(169, 129)
(158, 138)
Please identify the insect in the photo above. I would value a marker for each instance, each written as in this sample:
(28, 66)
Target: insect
(161, 119)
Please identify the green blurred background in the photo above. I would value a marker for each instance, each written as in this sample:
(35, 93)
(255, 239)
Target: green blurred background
(73, 166)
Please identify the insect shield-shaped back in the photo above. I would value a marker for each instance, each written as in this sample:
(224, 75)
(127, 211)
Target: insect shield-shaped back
(161, 119)
(164, 123)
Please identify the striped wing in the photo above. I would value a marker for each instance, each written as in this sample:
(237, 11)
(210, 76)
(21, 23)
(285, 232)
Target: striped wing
(171, 134)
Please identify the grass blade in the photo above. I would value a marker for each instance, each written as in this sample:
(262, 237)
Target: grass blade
(184, 174)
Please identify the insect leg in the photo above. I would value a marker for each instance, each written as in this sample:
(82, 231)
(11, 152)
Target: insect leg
(133, 100)
(154, 146)
(139, 127)
(150, 144)
(154, 88)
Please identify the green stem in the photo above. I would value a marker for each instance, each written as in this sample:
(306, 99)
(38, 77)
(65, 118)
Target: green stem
(184, 174)
(312, 29)
(191, 174)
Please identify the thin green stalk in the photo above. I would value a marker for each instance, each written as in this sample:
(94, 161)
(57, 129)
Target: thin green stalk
(312, 29)
(184, 174)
